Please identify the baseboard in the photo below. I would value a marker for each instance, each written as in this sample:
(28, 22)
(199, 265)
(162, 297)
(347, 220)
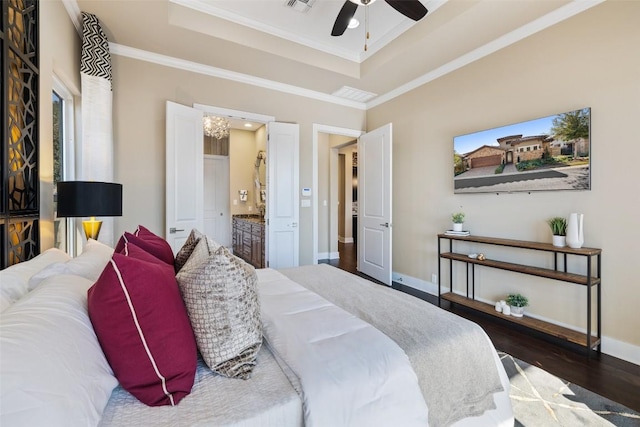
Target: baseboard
(345, 239)
(621, 350)
(610, 346)
(328, 255)
(421, 285)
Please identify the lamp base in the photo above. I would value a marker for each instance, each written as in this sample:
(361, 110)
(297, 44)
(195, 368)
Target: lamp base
(91, 228)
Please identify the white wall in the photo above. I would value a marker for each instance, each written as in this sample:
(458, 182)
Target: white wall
(590, 60)
(242, 154)
(140, 92)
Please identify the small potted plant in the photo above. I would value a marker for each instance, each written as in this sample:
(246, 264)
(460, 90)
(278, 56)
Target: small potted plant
(457, 219)
(558, 226)
(518, 303)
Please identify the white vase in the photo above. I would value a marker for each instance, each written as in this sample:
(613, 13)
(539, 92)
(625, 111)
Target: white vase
(559, 241)
(457, 226)
(517, 311)
(575, 237)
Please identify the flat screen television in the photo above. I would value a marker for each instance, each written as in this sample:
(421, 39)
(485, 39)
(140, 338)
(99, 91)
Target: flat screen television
(545, 154)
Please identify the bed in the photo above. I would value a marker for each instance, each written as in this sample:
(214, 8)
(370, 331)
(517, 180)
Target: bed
(458, 375)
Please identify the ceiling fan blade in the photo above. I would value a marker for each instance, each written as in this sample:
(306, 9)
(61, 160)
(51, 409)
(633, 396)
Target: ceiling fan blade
(344, 16)
(410, 8)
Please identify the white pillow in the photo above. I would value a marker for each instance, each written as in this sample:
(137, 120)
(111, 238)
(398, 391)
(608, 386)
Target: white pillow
(53, 370)
(92, 260)
(14, 280)
(88, 264)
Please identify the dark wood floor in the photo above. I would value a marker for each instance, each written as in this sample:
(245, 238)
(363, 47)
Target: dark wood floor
(608, 376)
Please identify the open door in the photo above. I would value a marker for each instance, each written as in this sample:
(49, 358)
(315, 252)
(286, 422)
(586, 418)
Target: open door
(374, 204)
(283, 233)
(184, 174)
(185, 184)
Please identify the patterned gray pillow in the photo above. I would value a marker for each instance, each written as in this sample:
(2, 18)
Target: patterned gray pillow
(221, 296)
(185, 251)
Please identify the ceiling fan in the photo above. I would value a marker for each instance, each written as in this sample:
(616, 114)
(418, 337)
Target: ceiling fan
(410, 8)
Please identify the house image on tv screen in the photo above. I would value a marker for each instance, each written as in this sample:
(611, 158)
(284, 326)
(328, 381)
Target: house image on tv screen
(553, 155)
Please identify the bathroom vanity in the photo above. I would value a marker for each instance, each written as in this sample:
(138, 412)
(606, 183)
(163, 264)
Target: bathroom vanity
(248, 239)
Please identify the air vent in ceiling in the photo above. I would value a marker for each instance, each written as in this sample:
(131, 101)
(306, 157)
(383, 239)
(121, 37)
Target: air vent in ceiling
(354, 94)
(299, 5)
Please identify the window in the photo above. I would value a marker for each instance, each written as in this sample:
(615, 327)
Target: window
(63, 161)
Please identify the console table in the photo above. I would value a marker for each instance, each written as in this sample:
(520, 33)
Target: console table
(588, 279)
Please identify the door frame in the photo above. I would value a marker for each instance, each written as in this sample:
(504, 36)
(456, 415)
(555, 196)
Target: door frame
(227, 112)
(332, 130)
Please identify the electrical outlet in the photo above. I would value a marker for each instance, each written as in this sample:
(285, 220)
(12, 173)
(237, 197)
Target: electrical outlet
(434, 278)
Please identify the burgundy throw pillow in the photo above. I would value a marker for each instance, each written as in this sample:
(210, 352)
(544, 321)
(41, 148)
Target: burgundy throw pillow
(151, 243)
(143, 232)
(142, 325)
(130, 249)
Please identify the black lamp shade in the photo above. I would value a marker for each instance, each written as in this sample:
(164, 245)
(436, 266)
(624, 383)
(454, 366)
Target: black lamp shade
(89, 198)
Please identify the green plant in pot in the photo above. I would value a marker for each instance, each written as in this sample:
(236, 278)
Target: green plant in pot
(558, 227)
(517, 302)
(457, 219)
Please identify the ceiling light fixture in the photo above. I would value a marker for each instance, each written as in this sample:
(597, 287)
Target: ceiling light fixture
(353, 23)
(248, 125)
(217, 127)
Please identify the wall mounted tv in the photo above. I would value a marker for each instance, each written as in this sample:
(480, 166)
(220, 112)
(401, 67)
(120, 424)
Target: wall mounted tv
(549, 153)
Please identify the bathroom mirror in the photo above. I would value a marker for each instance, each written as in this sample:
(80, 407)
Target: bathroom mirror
(260, 182)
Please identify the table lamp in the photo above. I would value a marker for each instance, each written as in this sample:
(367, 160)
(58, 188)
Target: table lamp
(89, 199)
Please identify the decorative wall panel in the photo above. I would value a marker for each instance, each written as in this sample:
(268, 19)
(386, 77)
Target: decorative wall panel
(19, 193)
(22, 241)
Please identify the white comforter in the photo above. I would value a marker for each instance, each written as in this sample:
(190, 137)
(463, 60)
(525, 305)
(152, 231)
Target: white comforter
(347, 372)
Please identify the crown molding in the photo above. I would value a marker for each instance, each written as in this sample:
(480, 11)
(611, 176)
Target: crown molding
(372, 49)
(73, 10)
(552, 18)
(218, 12)
(195, 67)
(537, 25)
(431, 5)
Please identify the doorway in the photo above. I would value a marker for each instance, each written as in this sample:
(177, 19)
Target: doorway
(242, 146)
(326, 208)
(184, 178)
(347, 176)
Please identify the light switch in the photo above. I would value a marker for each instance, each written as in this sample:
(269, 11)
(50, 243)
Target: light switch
(305, 203)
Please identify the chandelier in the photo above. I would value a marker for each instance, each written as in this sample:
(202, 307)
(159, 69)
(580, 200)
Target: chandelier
(217, 127)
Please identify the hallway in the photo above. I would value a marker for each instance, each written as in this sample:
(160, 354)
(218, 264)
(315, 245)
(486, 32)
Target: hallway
(348, 258)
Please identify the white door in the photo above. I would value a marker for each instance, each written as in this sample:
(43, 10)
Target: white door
(374, 204)
(283, 233)
(217, 218)
(184, 173)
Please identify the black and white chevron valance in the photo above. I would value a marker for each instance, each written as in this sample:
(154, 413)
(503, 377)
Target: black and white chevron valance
(95, 60)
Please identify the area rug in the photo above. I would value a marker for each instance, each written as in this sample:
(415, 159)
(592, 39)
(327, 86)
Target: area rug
(540, 399)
